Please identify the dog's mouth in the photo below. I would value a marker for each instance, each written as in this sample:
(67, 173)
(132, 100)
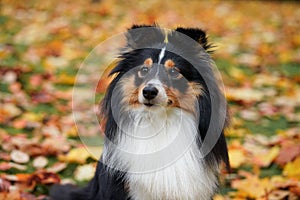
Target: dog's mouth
(148, 104)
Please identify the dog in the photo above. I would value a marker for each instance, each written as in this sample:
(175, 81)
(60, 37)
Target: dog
(165, 117)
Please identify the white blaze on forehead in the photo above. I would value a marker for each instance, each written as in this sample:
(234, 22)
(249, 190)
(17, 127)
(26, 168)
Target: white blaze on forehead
(161, 54)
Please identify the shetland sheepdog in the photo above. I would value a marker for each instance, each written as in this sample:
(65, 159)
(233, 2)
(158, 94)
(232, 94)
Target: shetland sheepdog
(165, 116)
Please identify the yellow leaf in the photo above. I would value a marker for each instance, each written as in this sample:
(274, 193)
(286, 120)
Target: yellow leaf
(265, 159)
(71, 132)
(33, 117)
(252, 187)
(65, 79)
(292, 169)
(78, 155)
(236, 157)
(218, 197)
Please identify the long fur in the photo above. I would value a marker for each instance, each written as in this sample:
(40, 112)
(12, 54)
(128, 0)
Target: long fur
(156, 153)
(186, 177)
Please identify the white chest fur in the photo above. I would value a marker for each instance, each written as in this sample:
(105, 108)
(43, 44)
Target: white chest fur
(159, 153)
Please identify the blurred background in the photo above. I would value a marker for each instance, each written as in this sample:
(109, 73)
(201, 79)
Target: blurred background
(43, 43)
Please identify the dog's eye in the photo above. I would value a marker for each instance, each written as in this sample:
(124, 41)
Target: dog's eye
(143, 71)
(174, 73)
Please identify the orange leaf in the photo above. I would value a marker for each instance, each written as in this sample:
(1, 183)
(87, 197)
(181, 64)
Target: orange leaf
(23, 177)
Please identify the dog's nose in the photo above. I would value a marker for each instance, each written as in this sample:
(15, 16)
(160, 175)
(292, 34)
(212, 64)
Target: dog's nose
(150, 92)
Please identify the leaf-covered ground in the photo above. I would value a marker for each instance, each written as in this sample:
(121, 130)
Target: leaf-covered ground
(43, 43)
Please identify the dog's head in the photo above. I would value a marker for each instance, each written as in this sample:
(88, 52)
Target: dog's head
(153, 72)
(163, 70)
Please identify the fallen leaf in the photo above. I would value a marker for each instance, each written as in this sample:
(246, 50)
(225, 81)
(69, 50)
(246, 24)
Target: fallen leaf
(12, 195)
(236, 157)
(296, 190)
(78, 155)
(43, 177)
(292, 169)
(9, 110)
(252, 187)
(55, 145)
(40, 162)
(18, 166)
(4, 186)
(19, 156)
(65, 79)
(22, 177)
(246, 95)
(278, 195)
(218, 197)
(264, 159)
(57, 167)
(4, 166)
(287, 154)
(249, 115)
(85, 172)
(42, 97)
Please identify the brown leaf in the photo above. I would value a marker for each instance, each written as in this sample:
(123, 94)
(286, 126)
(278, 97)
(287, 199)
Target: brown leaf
(42, 97)
(43, 177)
(4, 185)
(287, 154)
(296, 190)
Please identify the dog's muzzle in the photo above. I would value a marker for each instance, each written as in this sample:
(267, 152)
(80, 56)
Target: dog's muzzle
(150, 92)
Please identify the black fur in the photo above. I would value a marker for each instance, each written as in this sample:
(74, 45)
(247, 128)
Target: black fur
(104, 186)
(109, 184)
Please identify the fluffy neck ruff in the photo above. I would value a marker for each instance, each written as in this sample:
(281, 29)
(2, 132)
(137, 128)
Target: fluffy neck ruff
(158, 151)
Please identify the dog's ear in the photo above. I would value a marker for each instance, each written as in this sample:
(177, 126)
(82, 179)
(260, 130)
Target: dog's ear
(143, 36)
(198, 35)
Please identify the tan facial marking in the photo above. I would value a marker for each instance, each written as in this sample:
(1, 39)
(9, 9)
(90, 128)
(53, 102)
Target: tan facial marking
(130, 91)
(148, 62)
(187, 100)
(169, 63)
(196, 88)
(173, 97)
(133, 100)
